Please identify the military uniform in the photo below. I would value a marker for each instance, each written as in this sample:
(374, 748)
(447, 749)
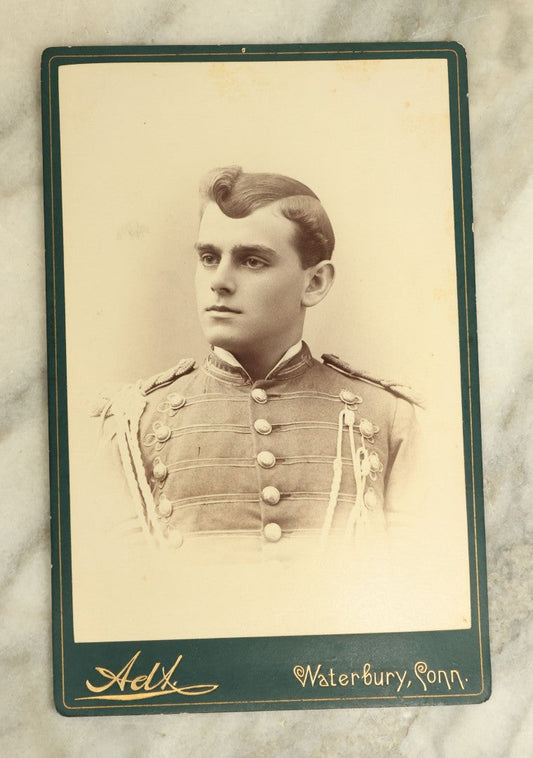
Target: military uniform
(313, 455)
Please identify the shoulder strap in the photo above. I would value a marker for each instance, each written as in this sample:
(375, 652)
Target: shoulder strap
(103, 403)
(166, 377)
(400, 390)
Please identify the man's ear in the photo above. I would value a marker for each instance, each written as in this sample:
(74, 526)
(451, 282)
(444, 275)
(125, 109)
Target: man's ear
(319, 279)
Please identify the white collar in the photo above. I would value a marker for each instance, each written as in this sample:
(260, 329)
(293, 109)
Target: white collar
(229, 358)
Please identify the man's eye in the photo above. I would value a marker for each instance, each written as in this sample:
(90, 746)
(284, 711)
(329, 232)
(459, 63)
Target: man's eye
(208, 260)
(254, 263)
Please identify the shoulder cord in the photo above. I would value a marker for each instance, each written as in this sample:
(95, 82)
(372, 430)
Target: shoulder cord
(131, 409)
(335, 484)
(361, 469)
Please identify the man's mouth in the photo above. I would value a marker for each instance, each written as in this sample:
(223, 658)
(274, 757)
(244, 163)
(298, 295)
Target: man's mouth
(222, 309)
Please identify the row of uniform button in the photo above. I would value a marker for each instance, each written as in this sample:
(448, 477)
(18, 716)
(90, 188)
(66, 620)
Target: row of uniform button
(265, 458)
(271, 533)
(176, 401)
(269, 495)
(347, 396)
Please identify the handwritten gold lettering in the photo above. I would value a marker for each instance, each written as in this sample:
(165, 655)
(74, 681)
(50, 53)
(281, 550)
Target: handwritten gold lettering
(303, 674)
(140, 687)
(454, 673)
(420, 668)
(371, 677)
(427, 676)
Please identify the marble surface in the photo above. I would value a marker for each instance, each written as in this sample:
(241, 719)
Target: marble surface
(497, 37)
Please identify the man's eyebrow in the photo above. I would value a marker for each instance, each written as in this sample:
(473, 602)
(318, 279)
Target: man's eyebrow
(206, 247)
(253, 248)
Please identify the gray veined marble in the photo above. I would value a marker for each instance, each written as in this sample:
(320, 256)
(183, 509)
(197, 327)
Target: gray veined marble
(497, 37)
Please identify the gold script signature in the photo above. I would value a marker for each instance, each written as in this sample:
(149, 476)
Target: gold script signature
(159, 681)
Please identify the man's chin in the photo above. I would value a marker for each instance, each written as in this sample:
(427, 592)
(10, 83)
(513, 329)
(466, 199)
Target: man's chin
(221, 338)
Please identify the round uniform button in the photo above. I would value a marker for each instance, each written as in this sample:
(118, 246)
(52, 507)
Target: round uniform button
(366, 428)
(270, 495)
(272, 532)
(160, 470)
(266, 459)
(259, 395)
(164, 507)
(175, 400)
(175, 538)
(371, 499)
(348, 397)
(162, 433)
(375, 463)
(262, 426)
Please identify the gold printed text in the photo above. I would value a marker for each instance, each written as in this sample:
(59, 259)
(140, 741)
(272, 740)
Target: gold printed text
(128, 684)
(393, 681)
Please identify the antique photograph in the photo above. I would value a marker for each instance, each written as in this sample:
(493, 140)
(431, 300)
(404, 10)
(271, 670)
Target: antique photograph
(264, 388)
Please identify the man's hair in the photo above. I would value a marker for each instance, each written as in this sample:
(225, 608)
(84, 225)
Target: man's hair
(239, 194)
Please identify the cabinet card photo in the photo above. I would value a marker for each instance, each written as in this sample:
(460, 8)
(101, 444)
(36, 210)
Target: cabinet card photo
(266, 486)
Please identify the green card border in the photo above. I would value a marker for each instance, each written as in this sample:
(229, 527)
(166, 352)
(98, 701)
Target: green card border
(265, 677)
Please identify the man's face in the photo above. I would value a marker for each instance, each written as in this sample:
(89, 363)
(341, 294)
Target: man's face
(249, 282)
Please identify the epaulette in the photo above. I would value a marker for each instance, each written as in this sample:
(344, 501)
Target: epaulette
(166, 377)
(400, 390)
(101, 404)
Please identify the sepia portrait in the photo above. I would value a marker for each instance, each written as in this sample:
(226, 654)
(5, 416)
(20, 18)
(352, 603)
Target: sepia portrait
(265, 413)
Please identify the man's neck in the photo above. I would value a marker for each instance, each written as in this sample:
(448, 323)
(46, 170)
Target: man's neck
(259, 368)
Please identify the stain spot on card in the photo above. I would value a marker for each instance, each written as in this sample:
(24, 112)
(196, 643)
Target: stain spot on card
(133, 230)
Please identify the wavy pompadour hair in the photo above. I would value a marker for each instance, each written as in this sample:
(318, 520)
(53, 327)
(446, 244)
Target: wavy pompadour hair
(239, 194)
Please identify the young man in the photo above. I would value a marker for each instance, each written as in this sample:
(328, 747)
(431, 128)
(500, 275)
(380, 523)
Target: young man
(263, 447)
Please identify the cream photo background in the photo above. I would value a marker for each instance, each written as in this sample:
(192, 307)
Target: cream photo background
(372, 139)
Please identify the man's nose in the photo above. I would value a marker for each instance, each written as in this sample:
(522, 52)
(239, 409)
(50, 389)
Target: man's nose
(223, 279)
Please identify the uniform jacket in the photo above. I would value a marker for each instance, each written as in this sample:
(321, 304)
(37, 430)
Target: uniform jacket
(313, 454)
